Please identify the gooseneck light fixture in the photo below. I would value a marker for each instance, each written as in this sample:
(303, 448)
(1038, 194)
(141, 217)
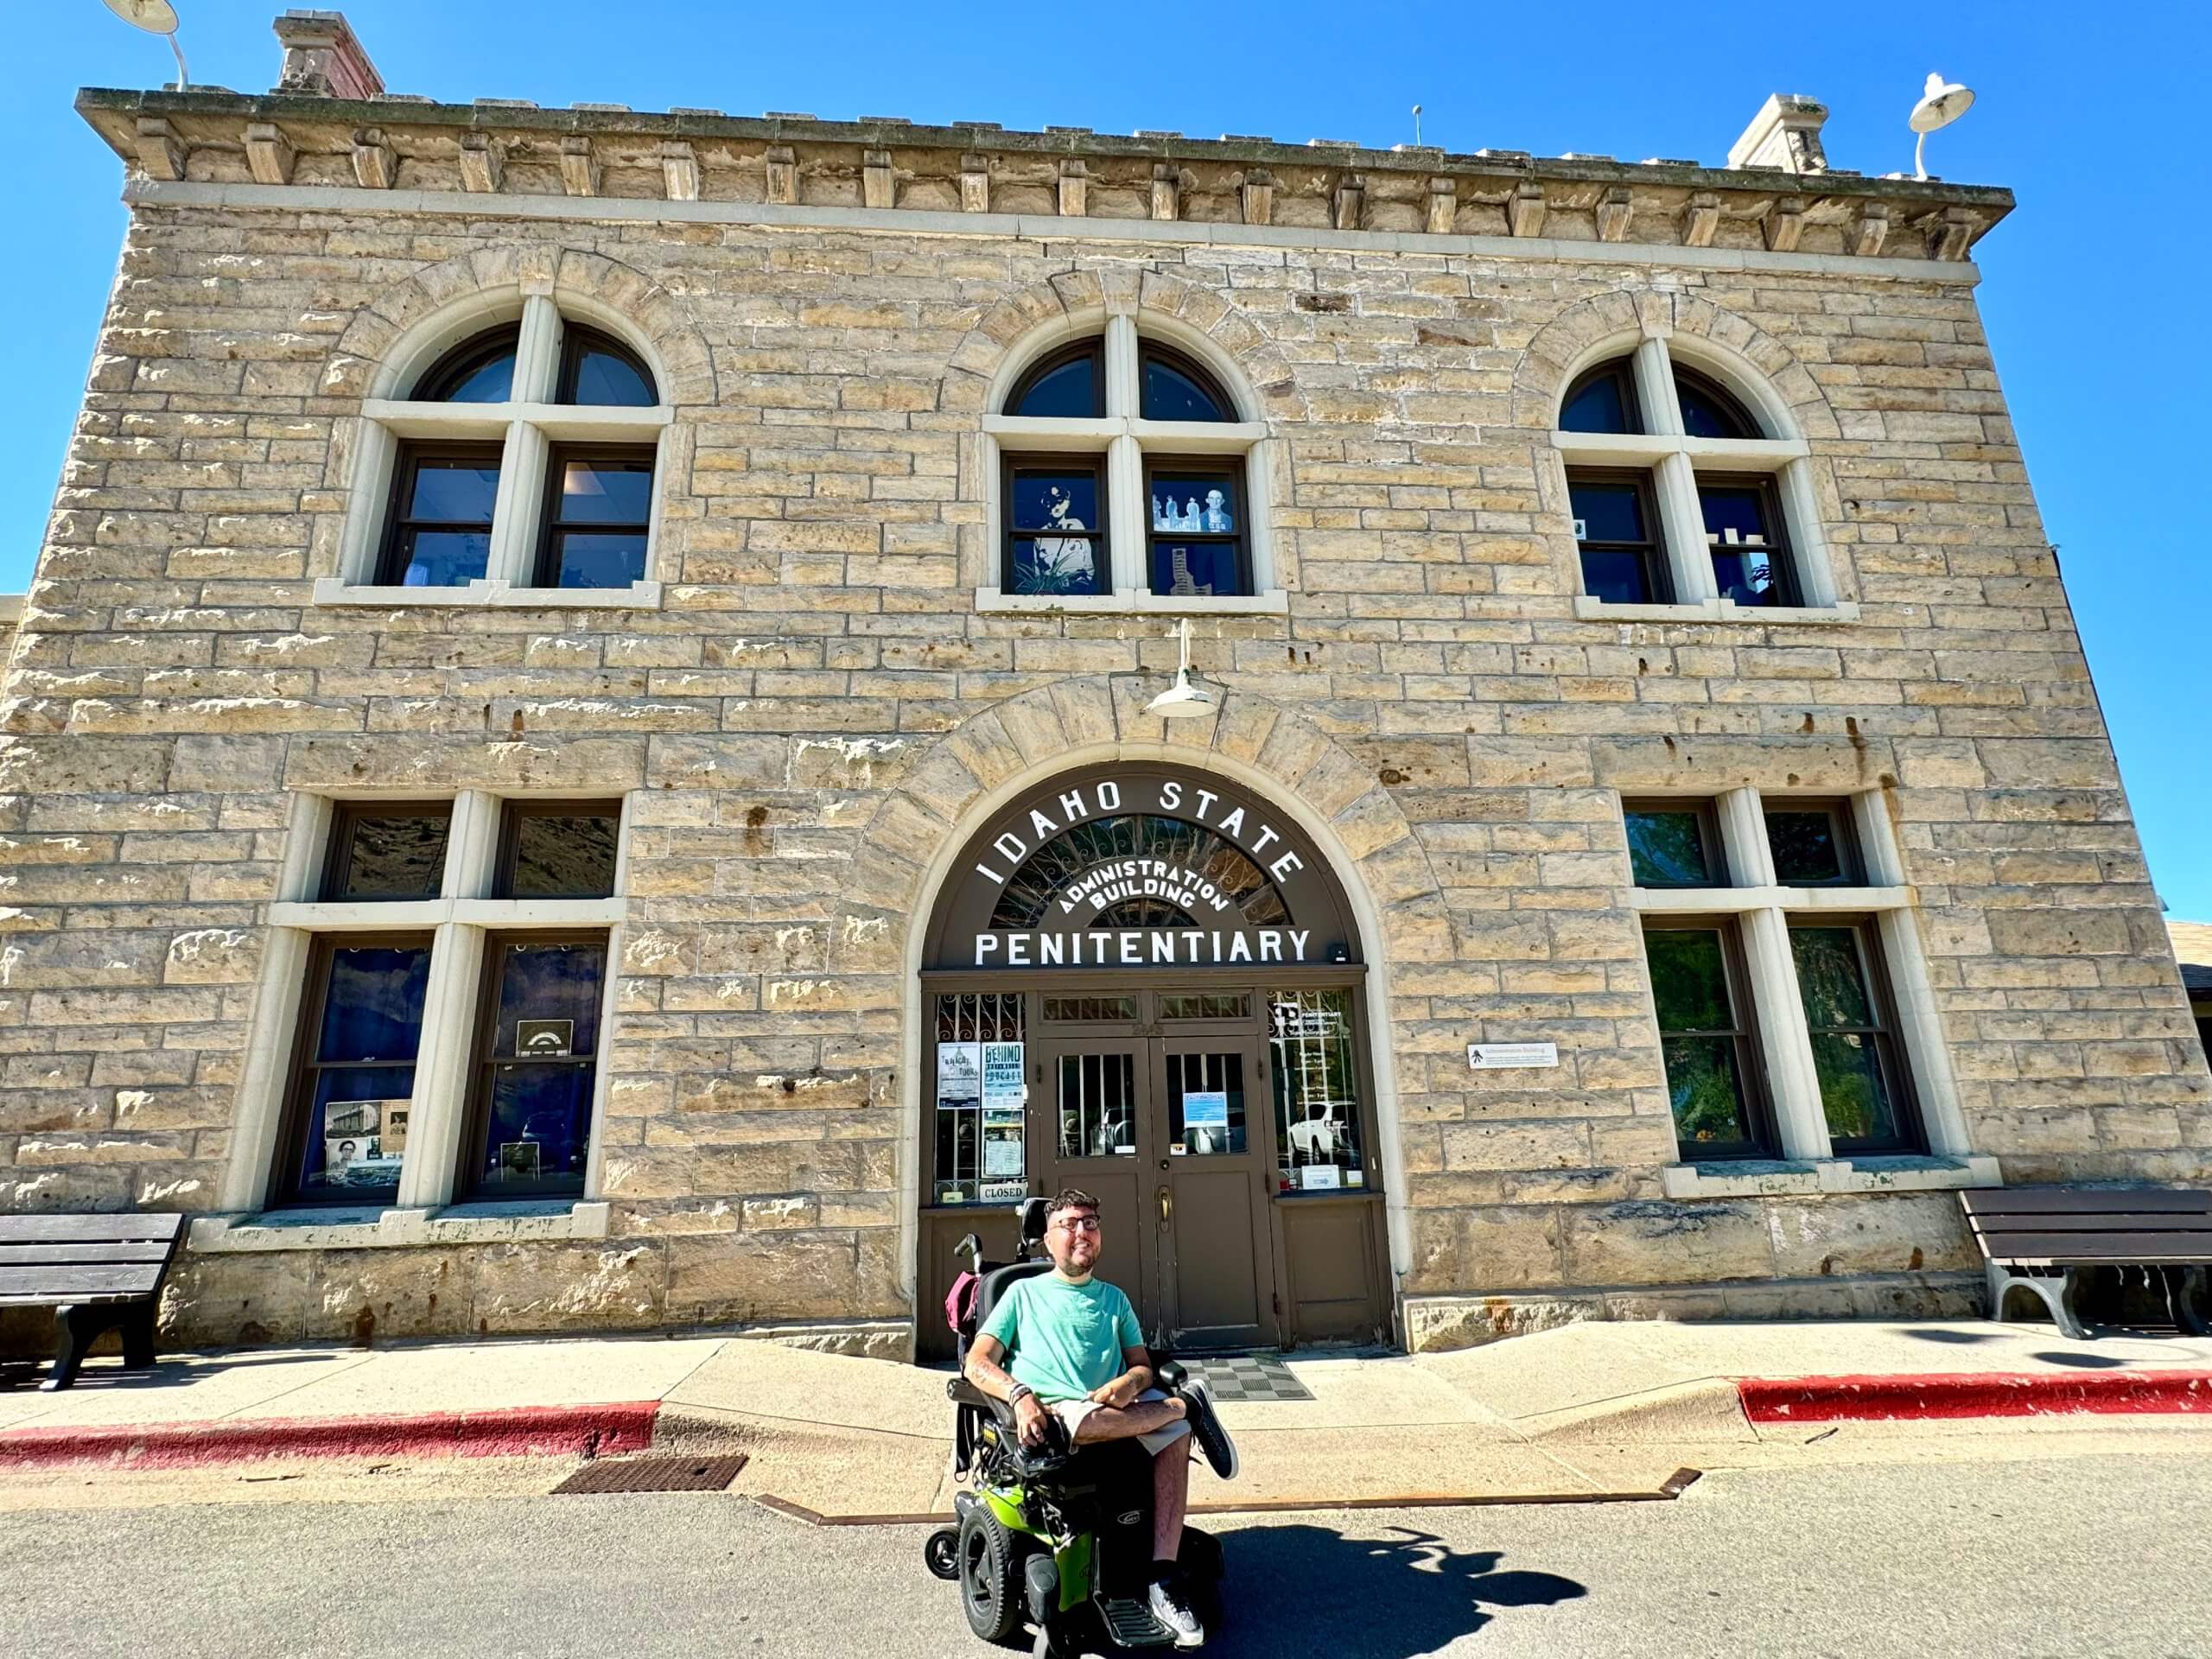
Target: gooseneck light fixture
(1941, 103)
(156, 17)
(1182, 700)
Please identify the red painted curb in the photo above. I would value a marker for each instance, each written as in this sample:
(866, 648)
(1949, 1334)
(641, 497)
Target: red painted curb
(1996, 1394)
(525, 1431)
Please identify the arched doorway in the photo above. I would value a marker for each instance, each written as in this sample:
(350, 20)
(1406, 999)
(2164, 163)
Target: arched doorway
(1142, 980)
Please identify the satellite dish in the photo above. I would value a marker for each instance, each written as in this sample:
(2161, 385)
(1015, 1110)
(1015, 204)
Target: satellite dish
(154, 16)
(1942, 102)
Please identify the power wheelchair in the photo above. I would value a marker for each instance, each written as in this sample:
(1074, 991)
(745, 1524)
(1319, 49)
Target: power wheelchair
(1055, 1536)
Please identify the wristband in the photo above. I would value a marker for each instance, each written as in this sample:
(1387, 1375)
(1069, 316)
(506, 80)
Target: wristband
(1015, 1394)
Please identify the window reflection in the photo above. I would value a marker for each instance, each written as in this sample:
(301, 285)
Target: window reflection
(356, 1082)
(538, 1077)
(1316, 1092)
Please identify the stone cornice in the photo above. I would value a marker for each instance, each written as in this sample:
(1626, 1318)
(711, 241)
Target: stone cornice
(490, 148)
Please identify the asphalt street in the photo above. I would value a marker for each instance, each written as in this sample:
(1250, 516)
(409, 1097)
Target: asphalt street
(2109, 1556)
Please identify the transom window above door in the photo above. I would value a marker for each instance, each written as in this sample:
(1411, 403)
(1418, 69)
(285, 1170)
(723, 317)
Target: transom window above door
(521, 465)
(1685, 497)
(1126, 476)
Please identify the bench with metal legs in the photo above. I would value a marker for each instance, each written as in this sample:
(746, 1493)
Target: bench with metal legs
(2042, 1239)
(98, 1273)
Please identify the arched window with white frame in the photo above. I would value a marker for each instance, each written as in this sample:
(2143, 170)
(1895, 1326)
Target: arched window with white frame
(1688, 491)
(1127, 473)
(513, 456)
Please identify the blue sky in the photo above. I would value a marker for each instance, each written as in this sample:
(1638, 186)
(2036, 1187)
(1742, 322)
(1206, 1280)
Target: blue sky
(2093, 290)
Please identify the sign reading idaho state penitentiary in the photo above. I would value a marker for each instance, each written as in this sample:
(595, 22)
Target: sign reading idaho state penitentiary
(1136, 867)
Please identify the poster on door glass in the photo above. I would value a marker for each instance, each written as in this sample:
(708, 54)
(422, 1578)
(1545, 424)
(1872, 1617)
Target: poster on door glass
(959, 1074)
(1002, 1085)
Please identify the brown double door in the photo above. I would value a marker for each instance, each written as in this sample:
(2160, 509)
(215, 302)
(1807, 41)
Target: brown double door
(1172, 1135)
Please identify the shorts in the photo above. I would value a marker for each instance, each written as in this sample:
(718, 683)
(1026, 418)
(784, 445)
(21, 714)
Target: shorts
(1072, 1412)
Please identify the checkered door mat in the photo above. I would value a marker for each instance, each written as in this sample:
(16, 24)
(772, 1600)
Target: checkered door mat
(1249, 1377)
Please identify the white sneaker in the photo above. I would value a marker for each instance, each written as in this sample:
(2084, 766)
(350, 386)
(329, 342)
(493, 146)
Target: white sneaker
(1172, 1609)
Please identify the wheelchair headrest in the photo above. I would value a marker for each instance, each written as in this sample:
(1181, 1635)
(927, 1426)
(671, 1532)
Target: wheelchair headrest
(1033, 1212)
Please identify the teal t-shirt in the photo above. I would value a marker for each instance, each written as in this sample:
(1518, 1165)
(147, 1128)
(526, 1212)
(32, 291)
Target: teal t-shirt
(1066, 1339)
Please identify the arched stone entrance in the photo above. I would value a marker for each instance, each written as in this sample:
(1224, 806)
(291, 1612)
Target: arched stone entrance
(1144, 978)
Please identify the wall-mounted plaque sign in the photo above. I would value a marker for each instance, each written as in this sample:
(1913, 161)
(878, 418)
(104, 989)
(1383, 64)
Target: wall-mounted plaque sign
(1503, 1057)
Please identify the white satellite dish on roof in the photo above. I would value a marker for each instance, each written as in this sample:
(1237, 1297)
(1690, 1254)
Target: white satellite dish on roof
(156, 17)
(1942, 102)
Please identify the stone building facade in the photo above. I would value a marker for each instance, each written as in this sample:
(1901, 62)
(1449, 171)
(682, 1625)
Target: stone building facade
(823, 684)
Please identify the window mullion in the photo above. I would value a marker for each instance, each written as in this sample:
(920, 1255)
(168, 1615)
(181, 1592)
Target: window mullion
(1682, 522)
(1785, 1040)
(1122, 384)
(442, 1060)
(1126, 518)
(515, 508)
(537, 351)
(1655, 391)
(1743, 837)
(471, 845)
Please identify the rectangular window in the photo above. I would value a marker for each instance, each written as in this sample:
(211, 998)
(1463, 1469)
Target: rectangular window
(1617, 530)
(1090, 1010)
(558, 849)
(1205, 1004)
(1055, 525)
(438, 533)
(1743, 528)
(1813, 844)
(536, 1065)
(354, 1070)
(598, 507)
(1713, 1079)
(387, 850)
(1673, 844)
(1316, 1090)
(980, 1143)
(1864, 1090)
(1195, 539)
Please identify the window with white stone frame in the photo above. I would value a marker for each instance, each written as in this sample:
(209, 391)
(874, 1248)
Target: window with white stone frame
(511, 458)
(1689, 497)
(433, 1001)
(1127, 472)
(1796, 1028)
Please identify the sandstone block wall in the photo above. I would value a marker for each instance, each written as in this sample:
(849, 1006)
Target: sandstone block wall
(818, 704)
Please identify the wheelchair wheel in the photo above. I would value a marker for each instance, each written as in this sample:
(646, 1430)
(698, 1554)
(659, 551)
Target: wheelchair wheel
(990, 1577)
(941, 1553)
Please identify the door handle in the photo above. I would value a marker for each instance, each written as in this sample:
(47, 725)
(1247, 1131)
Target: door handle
(1166, 1207)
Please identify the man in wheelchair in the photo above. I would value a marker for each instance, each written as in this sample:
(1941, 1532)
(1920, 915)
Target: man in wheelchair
(1064, 1350)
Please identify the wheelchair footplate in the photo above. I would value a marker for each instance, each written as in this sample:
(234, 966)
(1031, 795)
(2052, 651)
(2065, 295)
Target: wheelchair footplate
(1131, 1623)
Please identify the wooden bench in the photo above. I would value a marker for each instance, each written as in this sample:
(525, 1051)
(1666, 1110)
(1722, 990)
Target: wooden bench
(2039, 1238)
(96, 1272)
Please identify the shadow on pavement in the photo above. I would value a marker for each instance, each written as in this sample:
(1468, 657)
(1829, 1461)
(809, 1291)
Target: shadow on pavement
(2082, 1362)
(1308, 1589)
(1958, 1337)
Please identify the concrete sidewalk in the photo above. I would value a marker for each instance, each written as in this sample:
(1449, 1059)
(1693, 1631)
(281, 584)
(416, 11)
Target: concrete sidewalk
(1588, 1411)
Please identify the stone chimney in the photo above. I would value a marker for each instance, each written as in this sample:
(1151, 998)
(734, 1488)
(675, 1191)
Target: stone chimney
(322, 59)
(1785, 133)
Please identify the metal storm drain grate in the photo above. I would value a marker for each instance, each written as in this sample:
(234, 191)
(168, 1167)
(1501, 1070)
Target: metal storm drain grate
(654, 1475)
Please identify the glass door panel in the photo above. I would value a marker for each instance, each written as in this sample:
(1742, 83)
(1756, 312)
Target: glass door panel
(1215, 1245)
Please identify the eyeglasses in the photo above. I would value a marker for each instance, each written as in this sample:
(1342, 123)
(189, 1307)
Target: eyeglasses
(1077, 1223)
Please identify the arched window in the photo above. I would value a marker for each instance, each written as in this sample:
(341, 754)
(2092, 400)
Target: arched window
(1106, 420)
(478, 371)
(602, 372)
(1680, 493)
(570, 411)
(1068, 385)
